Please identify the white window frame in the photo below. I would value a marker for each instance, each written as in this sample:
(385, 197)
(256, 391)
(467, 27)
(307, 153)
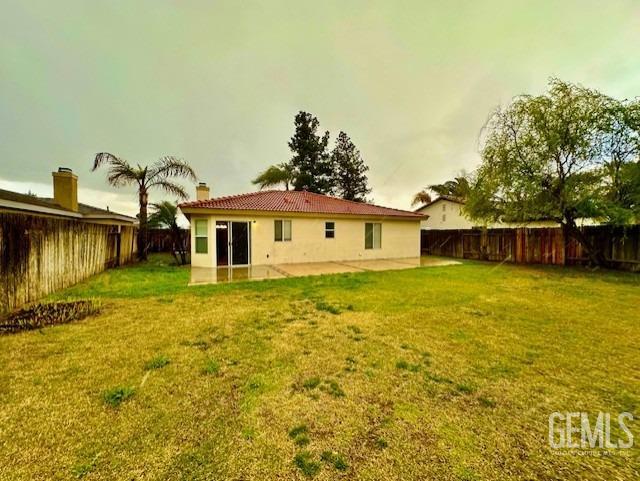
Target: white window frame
(327, 229)
(201, 236)
(373, 234)
(283, 223)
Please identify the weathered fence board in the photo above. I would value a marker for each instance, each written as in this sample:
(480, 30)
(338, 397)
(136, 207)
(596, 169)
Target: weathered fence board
(39, 255)
(620, 245)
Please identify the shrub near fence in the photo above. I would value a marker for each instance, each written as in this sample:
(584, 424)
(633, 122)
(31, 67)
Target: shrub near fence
(39, 255)
(620, 245)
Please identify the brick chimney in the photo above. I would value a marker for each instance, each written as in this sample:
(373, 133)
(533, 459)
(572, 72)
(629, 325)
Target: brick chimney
(65, 188)
(202, 191)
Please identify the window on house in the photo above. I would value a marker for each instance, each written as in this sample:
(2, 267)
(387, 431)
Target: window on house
(444, 207)
(329, 230)
(444, 217)
(202, 239)
(372, 235)
(282, 230)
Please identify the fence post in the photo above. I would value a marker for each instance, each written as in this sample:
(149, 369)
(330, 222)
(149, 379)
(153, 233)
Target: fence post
(484, 243)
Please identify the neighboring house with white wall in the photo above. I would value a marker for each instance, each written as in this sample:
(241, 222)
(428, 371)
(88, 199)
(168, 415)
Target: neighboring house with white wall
(281, 227)
(445, 212)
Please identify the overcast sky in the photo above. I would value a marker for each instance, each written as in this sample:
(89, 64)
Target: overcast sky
(218, 83)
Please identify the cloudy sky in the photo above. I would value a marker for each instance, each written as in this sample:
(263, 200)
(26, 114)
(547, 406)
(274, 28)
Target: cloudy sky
(218, 83)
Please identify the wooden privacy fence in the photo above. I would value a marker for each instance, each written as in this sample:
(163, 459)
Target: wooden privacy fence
(619, 244)
(39, 255)
(160, 240)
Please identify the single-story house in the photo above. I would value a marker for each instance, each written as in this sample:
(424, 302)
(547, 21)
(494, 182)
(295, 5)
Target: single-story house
(281, 227)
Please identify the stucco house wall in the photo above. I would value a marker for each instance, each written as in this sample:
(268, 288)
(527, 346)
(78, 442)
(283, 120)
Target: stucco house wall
(400, 239)
(444, 214)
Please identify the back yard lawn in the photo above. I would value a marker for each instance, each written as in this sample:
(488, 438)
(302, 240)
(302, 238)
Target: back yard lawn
(433, 373)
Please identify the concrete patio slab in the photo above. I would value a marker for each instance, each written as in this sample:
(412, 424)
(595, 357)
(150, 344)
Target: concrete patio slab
(385, 264)
(203, 275)
(316, 268)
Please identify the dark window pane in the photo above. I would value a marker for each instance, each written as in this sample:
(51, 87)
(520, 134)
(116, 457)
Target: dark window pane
(329, 230)
(278, 228)
(240, 243)
(368, 236)
(201, 245)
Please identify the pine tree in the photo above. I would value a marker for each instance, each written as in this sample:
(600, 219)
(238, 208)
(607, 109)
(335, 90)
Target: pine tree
(310, 163)
(349, 178)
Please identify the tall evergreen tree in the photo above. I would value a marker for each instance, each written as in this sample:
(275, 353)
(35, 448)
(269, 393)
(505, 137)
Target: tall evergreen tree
(310, 162)
(349, 170)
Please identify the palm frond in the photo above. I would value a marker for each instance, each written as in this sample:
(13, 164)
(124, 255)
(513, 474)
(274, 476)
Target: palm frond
(170, 166)
(169, 187)
(107, 158)
(274, 175)
(164, 215)
(122, 175)
(422, 197)
(120, 171)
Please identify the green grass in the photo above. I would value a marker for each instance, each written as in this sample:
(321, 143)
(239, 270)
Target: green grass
(116, 396)
(304, 461)
(157, 362)
(211, 366)
(443, 373)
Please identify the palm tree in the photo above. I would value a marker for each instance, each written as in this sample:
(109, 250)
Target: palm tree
(458, 187)
(423, 197)
(155, 176)
(165, 216)
(275, 175)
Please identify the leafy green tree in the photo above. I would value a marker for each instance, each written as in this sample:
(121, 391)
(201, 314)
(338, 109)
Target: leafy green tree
(165, 216)
(557, 156)
(310, 163)
(158, 175)
(620, 147)
(275, 175)
(349, 179)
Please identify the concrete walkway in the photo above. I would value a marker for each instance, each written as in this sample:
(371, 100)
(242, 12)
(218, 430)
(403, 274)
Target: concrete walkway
(203, 275)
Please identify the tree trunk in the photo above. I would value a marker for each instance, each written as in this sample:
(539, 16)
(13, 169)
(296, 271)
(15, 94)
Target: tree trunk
(183, 251)
(178, 246)
(596, 257)
(143, 199)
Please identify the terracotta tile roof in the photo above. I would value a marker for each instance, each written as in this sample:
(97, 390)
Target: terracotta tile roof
(297, 201)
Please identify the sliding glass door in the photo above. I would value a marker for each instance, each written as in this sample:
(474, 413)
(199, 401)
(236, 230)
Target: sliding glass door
(233, 243)
(240, 243)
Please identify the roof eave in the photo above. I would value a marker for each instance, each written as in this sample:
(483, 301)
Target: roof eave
(188, 211)
(23, 206)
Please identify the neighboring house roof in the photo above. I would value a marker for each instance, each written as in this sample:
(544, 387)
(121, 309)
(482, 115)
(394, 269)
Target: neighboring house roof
(450, 198)
(43, 205)
(297, 202)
